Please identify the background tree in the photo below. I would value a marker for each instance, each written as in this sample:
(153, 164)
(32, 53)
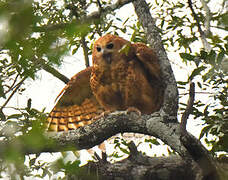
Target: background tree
(37, 35)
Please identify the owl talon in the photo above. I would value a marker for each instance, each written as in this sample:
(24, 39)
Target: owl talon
(102, 115)
(135, 110)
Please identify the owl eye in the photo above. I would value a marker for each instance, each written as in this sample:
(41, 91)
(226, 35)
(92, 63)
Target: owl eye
(98, 48)
(110, 46)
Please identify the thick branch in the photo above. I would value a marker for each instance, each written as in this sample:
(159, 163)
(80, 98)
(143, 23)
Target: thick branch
(118, 122)
(170, 104)
(201, 157)
(145, 168)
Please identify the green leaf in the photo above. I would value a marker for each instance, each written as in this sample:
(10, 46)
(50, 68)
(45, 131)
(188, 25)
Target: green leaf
(153, 141)
(125, 49)
(182, 83)
(14, 116)
(220, 57)
(204, 131)
(29, 103)
(124, 150)
(2, 93)
(212, 57)
(196, 72)
(187, 56)
(199, 84)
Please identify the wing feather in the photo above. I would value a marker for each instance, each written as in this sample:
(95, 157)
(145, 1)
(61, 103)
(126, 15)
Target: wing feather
(76, 104)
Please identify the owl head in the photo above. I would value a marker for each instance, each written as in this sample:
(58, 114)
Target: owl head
(107, 49)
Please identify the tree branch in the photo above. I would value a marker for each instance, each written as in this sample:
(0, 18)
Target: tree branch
(11, 95)
(145, 168)
(118, 122)
(53, 71)
(202, 34)
(189, 107)
(170, 104)
(207, 17)
(201, 156)
(85, 51)
(86, 19)
(194, 147)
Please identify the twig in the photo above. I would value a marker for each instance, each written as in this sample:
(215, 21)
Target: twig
(87, 19)
(11, 95)
(202, 34)
(54, 72)
(99, 5)
(188, 109)
(85, 51)
(12, 86)
(207, 16)
(183, 94)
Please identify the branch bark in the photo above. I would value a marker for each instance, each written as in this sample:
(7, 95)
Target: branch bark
(54, 72)
(85, 51)
(88, 136)
(170, 105)
(189, 107)
(145, 168)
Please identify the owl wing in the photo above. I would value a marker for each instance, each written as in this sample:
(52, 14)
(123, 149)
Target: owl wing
(76, 106)
(148, 59)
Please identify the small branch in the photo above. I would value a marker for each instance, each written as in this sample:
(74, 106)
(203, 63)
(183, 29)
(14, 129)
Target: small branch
(198, 153)
(202, 34)
(207, 17)
(14, 91)
(54, 72)
(189, 107)
(183, 94)
(99, 5)
(12, 86)
(87, 19)
(85, 51)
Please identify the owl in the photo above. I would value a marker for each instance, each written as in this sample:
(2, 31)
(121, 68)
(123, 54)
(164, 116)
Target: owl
(124, 75)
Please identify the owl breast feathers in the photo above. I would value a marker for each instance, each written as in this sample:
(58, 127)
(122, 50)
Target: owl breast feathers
(123, 75)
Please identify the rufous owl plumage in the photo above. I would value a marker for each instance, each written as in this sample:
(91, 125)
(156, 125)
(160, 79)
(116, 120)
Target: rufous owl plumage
(123, 75)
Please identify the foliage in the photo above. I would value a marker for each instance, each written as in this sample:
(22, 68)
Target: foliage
(38, 33)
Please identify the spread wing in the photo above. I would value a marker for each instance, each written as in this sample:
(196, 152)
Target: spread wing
(76, 106)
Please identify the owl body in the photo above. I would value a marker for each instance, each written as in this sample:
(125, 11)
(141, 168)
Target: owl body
(120, 80)
(123, 75)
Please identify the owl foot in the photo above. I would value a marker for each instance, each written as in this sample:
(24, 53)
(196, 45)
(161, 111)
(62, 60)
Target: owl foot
(134, 110)
(102, 115)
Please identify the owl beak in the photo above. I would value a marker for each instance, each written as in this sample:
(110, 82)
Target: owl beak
(107, 57)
